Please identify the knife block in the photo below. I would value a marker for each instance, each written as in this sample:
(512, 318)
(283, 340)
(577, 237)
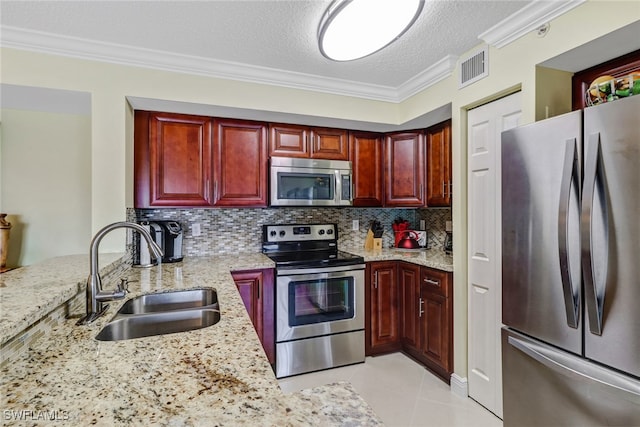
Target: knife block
(368, 242)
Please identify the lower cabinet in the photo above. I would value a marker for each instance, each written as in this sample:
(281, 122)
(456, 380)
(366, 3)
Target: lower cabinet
(256, 288)
(382, 327)
(422, 314)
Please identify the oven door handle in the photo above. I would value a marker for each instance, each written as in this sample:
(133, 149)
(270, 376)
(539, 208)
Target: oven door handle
(321, 270)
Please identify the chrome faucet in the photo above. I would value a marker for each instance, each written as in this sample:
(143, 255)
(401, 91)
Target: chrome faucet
(96, 297)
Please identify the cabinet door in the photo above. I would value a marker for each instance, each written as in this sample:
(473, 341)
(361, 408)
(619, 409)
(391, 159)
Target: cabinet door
(288, 140)
(404, 169)
(331, 144)
(435, 331)
(409, 284)
(383, 290)
(439, 185)
(240, 163)
(172, 160)
(367, 164)
(257, 291)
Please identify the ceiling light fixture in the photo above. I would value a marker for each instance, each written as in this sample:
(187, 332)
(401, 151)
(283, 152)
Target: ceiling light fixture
(353, 29)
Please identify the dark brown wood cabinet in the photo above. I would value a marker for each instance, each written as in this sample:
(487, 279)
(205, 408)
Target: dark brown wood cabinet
(366, 155)
(288, 140)
(240, 163)
(404, 169)
(436, 321)
(330, 144)
(382, 335)
(256, 288)
(172, 160)
(194, 161)
(414, 316)
(409, 288)
(308, 142)
(439, 184)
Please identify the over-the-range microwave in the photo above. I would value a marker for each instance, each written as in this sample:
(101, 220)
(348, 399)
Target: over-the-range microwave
(310, 182)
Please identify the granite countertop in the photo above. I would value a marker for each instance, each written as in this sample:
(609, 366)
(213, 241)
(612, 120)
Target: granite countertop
(433, 258)
(218, 375)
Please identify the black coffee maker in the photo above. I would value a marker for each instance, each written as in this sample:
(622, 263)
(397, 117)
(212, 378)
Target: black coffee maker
(167, 234)
(171, 241)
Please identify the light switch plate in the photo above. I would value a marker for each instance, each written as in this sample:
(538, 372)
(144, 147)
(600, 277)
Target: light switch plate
(195, 230)
(355, 225)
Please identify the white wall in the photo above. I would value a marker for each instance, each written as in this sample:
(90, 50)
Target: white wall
(511, 67)
(46, 184)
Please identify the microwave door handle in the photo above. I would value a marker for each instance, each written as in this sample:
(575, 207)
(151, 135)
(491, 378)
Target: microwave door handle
(569, 177)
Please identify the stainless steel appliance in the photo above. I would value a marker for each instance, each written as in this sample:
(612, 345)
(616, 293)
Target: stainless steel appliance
(319, 299)
(310, 182)
(571, 270)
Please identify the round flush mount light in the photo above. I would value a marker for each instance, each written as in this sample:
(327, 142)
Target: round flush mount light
(353, 29)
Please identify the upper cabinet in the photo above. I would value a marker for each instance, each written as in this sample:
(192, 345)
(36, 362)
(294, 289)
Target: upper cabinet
(189, 161)
(404, 169)
(301, 141)
(439, 184)
(172, 159)
(240, 163)
(366, 155)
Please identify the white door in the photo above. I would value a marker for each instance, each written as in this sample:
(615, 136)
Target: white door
(485, 124)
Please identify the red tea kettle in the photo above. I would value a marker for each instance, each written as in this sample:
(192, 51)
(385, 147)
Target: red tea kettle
(409, 240)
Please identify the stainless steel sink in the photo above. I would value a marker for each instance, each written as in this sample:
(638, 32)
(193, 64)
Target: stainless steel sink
(124, 327)
(163, 313)
(169, 301)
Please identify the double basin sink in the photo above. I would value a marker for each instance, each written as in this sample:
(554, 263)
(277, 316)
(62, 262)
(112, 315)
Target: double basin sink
(163, 313)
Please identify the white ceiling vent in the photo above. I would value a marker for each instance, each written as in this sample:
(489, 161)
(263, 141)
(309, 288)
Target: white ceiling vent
(473, 67)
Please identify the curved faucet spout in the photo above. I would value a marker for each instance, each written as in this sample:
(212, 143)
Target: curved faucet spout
(94, 294)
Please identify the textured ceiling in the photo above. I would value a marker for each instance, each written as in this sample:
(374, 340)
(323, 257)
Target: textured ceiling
(275, 34)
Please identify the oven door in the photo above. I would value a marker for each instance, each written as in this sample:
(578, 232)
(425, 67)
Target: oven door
(315, 302)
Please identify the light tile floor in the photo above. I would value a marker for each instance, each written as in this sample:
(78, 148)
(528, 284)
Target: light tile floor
(402, 393)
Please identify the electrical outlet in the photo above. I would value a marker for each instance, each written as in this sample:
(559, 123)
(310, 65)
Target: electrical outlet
(355, 225)
(423, 224)
(449, 226)
(195, 230)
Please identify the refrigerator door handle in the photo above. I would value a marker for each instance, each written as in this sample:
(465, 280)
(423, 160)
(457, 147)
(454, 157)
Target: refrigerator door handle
(569, 176)
(574, 367)
(594, 183)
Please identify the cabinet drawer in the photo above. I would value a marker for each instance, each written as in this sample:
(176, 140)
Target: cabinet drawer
(435, 281)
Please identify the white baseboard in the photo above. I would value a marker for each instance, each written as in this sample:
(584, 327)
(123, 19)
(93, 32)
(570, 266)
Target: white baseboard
(459, 386)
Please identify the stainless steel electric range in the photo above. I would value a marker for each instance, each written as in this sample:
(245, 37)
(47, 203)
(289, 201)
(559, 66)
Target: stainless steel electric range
(319, 298)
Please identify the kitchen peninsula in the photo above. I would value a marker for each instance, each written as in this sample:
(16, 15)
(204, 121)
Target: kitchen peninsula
(218, 375)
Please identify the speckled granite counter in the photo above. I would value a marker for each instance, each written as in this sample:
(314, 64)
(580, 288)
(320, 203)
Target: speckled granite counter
(213, 376)
(433, 258)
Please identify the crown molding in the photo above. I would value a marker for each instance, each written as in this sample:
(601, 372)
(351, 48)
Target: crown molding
(42, 42)
(432, 75)
(525, 20)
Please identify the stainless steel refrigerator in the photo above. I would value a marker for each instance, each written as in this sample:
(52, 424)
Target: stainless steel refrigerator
(571, 269)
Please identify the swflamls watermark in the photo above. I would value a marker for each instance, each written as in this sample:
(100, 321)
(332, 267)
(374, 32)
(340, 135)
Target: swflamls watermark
(34, 415)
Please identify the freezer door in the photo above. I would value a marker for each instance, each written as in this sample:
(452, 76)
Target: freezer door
(611, 234)
(541, 277)
(544, 386)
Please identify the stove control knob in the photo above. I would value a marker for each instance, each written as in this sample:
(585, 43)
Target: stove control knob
(321, 232)
(282, 233)
(330, 231)
(272, 233)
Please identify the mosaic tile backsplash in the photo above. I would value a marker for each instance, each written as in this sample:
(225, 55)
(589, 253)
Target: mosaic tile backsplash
(229, 231)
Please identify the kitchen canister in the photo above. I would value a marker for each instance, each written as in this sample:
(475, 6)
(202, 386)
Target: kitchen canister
(5, 228)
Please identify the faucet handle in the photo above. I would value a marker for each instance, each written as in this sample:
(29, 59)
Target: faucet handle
(124, 285)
